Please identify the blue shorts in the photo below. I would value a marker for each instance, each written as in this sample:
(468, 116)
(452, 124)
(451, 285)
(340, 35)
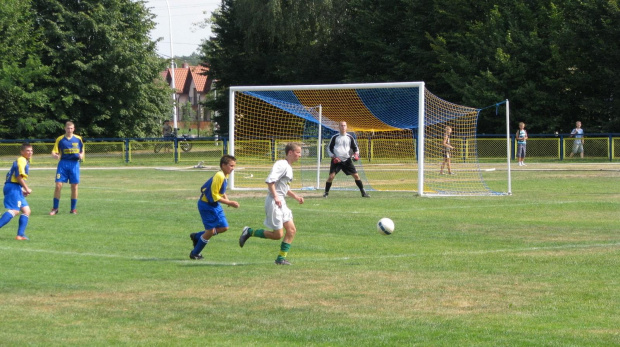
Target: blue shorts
(14, 197)
(68, 171)
(212, 216)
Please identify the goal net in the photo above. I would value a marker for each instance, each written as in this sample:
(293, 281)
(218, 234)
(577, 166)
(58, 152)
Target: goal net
(399, 150)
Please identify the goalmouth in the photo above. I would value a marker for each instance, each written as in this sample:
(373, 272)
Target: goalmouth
(399, 149)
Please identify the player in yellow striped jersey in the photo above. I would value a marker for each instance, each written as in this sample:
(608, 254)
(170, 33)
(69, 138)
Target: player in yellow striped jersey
(16, 190)
(213, 194)
(70, 149)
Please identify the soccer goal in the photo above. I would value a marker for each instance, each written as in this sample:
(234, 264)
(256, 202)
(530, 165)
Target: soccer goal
(399, 149)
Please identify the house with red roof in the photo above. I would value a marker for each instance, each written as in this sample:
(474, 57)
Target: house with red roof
(192, 86)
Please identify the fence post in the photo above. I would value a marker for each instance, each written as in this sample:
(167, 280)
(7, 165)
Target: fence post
(512, 146)
(561, 147)
(610, 143)
(176, 147)
(126, 150)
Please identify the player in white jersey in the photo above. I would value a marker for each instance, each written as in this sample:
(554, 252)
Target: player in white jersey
(343, 149)
(278, 216)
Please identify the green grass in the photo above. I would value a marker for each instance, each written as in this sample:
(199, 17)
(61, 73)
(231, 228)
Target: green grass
(540, 267)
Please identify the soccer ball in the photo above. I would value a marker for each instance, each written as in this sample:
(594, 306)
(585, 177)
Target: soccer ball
(385, 226)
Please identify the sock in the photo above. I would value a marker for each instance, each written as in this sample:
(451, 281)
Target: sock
(199, 234)
(73, 203)
(200, 245)
(56, 203)
(258, 233)
(328, 186)
(6, 217)
(284, 248)
(23, 223)
(360, 185)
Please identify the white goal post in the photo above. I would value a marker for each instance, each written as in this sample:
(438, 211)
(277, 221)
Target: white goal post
(399, 149)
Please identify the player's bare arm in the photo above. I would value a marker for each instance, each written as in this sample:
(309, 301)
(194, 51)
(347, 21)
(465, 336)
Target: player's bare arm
(224, 200)
(272, 190)
(25, 188)
(300, 199)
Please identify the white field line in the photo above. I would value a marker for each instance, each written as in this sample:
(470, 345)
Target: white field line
(474, 253)
(313, 259)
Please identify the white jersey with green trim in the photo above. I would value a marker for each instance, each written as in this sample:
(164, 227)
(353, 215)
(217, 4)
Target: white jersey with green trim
(281, 174)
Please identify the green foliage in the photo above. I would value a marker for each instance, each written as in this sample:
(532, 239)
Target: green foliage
(89, 61)
(271, 42)
(555, 61)
(509, 271)
(23, 101)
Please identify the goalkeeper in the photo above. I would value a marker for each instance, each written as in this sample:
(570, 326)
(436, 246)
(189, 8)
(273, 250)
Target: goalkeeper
(343, 149)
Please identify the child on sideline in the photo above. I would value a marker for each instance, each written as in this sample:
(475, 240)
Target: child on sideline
(447, 151)
(521, 139)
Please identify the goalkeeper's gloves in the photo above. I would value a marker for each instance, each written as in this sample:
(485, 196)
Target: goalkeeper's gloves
(356, 157)
(336, 160)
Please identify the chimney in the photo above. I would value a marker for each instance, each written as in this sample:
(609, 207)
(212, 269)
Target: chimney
(185, 65)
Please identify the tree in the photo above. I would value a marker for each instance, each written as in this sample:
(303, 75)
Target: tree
(540, 56)
(556, 61)
(271, 42)
(104, 73)
(591, 47)
(387, 41)
(23, 102)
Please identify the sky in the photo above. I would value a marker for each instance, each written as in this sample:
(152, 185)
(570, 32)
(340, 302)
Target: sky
(186, 37)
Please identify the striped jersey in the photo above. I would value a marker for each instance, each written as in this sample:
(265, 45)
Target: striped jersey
(20, 167)
(69, 149)
(521, 134)
(214, 189)
(342, 146)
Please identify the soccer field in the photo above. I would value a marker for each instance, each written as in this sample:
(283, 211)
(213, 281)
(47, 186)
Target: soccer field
(540, 267)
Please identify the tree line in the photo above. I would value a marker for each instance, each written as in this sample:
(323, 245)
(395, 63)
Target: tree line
(92, 61)
(556, 61)
(89, 61)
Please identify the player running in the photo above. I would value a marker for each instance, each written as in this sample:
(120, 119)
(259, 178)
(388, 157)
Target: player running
(16, 190)
(278, 215)
(213, 194)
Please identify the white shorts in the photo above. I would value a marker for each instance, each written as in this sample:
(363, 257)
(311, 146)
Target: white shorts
(275, 216)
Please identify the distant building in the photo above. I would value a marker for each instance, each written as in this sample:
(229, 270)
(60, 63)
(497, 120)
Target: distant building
(192, 86)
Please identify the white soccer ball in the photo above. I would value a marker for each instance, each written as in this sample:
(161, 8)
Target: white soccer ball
(385, 226)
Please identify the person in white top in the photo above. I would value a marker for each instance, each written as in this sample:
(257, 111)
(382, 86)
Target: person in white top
(577, 133)
(343, 150)
(521, 136)
(278, 216)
